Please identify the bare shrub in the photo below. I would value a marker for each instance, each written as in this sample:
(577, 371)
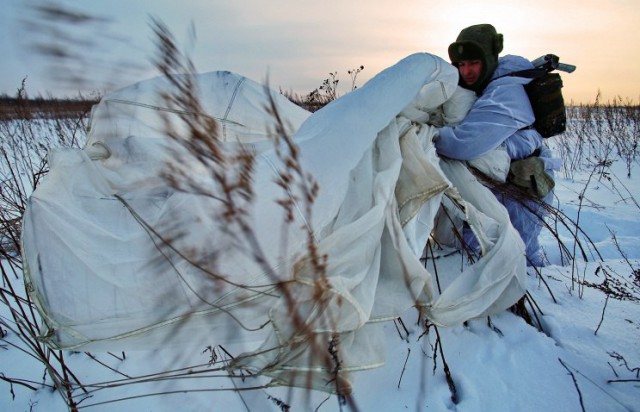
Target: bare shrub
(599, 133)
(26, 137)
(596, 135)
(325, 93)
(230, 181)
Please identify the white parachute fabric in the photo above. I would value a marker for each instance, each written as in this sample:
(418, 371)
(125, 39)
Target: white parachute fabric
(90, 249)
(96, 231)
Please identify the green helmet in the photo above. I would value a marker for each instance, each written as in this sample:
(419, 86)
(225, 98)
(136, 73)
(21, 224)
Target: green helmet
(478, 42)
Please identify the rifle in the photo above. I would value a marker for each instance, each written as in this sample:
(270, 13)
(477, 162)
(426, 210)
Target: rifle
(551, 62)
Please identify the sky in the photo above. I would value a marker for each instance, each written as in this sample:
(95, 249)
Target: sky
(296, 44)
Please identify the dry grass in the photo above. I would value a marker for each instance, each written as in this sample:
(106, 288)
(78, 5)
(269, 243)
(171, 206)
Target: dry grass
(230, 182)
(18, 109)
(598, 133)
(26, 136)
(22, 107)
(28, 128)
(30, 137)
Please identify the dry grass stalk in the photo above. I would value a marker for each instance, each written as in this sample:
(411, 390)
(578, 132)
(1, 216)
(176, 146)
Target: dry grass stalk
(597, 131)
(26, 136)
(232, 178)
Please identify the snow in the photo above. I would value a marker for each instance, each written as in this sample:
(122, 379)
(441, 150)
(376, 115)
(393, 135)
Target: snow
(501, 364)
(510, 367)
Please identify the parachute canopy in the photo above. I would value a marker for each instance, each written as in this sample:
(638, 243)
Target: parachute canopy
(173, 226)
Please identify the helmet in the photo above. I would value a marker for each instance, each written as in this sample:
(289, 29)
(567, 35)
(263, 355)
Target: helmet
(478, 42)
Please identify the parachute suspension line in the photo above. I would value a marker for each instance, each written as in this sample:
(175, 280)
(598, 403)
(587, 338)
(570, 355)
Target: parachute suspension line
(153, 234)
(231, 100)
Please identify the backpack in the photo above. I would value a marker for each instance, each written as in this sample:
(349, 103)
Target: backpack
(545, 94)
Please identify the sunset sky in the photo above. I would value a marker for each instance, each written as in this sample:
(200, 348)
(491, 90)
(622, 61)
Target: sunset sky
(297, 43)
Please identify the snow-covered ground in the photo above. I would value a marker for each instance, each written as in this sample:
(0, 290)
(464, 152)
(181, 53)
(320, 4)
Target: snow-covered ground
(586, 357)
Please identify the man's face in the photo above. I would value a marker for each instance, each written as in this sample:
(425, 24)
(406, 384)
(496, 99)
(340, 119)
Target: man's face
(470, 71)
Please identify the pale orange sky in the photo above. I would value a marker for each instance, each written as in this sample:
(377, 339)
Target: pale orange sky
(297, 43)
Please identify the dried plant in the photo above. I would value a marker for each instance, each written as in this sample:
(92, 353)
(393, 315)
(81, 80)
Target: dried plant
(596, 134)
(326, 92)
(230, 182)
(26, 136)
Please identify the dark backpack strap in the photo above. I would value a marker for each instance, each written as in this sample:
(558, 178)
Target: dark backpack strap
(534, 73)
